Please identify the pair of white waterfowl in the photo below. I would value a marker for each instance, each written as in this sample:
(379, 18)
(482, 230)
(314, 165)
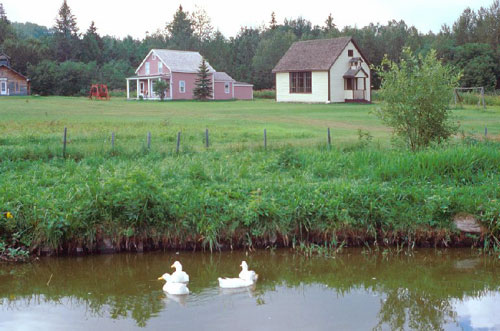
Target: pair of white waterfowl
(176, 283)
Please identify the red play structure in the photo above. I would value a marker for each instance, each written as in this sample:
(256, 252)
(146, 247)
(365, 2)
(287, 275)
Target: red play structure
(99, 91)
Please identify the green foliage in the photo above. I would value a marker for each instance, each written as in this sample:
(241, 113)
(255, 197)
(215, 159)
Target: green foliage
(160, 87)
(203, 89)
(66, 34)
(479, 63)
(270, 50)
(416, 94)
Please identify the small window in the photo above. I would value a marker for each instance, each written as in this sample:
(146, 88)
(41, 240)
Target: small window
(226, 88)
(147, 68)
(350, 53)
(160, 67)
(154, 57)
(182, 86)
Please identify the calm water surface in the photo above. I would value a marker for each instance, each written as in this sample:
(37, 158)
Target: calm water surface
(426, 290)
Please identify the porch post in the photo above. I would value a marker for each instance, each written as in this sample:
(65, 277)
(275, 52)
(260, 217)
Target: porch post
(137, 80)
(128, 89)
(149, 87)
(171, 88)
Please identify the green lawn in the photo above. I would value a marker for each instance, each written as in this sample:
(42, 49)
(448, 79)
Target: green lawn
(38, 122)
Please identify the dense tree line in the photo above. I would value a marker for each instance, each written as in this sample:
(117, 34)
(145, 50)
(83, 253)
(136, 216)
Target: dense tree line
(53, 57)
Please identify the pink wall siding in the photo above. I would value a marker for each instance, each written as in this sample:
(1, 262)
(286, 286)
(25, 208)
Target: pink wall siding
(243, 92)
(153, 66)
(190, 79)
(220, 93)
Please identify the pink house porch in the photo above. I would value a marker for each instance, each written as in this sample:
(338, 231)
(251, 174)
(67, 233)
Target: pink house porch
(179, 69)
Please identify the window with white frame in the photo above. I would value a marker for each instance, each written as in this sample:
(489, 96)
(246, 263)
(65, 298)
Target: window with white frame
(160, 67)
(147, 68)
(154, 57)
(226, 88)
(182, 86)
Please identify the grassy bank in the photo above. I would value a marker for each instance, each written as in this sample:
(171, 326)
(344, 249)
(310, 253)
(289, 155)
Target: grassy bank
(235, 193)
(281, 197)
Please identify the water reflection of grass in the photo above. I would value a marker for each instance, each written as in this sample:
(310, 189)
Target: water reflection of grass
(416, 290)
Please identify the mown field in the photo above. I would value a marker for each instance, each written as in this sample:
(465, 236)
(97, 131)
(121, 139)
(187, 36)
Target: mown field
(33, 127)
(235, 194)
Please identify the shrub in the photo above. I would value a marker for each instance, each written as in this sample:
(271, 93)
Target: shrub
(416, 96)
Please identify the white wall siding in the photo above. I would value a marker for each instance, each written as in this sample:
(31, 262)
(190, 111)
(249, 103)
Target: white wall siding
(319, 81)
(337, 73)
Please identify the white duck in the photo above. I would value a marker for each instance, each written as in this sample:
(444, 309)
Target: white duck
(175, 288)
(245, 278)
(178, 276)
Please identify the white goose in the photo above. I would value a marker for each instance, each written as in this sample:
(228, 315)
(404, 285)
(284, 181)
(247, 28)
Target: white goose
(245, 278)
(178, 276)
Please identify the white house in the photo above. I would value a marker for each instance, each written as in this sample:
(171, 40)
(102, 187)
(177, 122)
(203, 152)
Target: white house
(324, 70)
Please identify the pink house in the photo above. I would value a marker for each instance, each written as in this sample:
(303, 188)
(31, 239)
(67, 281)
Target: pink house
(180, 69)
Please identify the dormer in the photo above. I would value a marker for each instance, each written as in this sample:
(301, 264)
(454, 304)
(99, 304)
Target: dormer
(355, 63)
(4, 60)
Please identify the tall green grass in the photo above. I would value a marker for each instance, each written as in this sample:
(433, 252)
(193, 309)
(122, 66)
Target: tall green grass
(251, 198)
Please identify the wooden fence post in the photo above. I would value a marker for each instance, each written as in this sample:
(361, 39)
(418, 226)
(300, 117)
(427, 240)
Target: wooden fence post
(178, 142)
(482, 97)
(485, 131)
(265, 139)
(112, 140)
(206, 138)
(64, 141)
(149, 140)
(329, 139)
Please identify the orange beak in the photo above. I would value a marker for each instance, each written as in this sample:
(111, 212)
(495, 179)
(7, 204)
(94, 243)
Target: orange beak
(172, 266)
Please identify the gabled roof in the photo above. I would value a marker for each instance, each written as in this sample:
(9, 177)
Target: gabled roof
(178, 61)
(351, 73)
(313, 55)
(222, 77)
(16, 72)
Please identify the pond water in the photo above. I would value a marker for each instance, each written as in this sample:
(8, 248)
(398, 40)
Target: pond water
(424, 290)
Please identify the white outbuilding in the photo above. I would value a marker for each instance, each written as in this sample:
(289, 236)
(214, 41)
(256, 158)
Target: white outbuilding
(323, 70)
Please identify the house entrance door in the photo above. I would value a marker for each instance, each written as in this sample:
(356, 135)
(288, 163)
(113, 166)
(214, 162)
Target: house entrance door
(3, 87)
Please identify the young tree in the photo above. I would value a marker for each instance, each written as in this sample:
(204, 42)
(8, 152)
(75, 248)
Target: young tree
(181, 30)
(416, 94)
(329, 25)
(273, 24)
(202, 25)
(203, 89)
(66, 34)
(160, 88)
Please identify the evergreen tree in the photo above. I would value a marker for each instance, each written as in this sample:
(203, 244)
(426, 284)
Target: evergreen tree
(66, 35)
(181, 30)
(5, 27)
(203, 89)
(273, 24)
(92, 45)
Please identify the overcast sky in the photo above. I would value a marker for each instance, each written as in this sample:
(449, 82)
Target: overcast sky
(124, 17)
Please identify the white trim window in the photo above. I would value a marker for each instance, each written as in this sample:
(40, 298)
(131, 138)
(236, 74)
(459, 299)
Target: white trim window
(182, 86)
(147, 68)
(160, 67)
(226, 87)
(154, 57)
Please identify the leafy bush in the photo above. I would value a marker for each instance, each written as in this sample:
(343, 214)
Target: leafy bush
(416, 94)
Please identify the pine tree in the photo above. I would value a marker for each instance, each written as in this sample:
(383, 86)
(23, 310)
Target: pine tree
(5, 28)
(181, 30)
(203, 89)
(273, 24)
(66, 35)
(92, 45)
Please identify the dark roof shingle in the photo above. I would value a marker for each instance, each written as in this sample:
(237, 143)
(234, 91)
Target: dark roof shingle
(312, 55)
